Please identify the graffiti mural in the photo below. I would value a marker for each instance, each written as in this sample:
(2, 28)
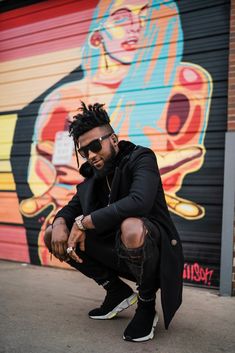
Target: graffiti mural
(196, 273)
(130, 57)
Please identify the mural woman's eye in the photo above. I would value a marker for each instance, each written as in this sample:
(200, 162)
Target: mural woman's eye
(121, 17)
(177, 113)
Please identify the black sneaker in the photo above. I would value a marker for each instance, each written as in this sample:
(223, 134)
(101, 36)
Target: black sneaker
(142, 326)
(118, 298)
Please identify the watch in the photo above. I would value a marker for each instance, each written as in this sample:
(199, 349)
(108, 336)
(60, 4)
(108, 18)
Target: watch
(78, 221)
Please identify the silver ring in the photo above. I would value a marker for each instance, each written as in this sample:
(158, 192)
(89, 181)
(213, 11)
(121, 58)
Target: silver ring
(69, 250)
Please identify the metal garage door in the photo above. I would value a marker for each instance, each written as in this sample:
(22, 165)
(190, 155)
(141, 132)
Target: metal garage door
(160, 67)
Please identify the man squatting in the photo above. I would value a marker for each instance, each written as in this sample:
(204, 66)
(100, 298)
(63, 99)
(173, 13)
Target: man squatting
(118, 225)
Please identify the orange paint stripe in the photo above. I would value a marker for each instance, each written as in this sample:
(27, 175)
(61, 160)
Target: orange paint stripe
(9, 208)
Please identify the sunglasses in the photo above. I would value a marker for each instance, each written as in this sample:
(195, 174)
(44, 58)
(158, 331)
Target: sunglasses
(94, 146)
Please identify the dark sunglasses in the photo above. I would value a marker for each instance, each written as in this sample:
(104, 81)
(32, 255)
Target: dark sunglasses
(94, 146)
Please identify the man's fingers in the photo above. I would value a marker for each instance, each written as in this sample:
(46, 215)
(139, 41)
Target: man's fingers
(55, 249)
(65, 246)
(59, 251)
(82, 245)
(75, 257)
(71, 243)
(52, 247)
(76, 237)
(57, 257)
(62, 253)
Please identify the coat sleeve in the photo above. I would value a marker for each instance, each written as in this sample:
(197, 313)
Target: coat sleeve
(141, 197)
(70, 211)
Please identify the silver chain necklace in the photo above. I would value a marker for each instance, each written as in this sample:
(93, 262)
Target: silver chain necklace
(109, 187)
(107, 180)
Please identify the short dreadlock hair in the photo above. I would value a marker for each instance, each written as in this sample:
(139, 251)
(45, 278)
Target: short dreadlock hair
(88, 118)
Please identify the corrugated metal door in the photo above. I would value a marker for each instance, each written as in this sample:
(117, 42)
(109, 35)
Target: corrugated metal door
(161, 69)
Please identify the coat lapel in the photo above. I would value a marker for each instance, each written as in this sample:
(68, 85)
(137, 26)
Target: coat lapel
(87, 196)
(115, 185)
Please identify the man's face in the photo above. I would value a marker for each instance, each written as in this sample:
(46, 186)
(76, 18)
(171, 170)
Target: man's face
(101, 159)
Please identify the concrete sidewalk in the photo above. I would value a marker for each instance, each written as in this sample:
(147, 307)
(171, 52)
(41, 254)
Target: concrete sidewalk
(44, 310)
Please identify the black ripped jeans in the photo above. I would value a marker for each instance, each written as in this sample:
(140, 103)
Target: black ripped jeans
(106, 257)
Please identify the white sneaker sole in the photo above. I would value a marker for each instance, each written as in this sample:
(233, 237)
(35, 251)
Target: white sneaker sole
(145, 338)
(120, 307)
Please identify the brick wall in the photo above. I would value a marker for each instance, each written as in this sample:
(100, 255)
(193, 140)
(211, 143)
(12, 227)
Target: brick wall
(231, 105)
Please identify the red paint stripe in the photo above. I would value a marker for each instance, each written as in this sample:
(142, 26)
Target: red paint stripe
(14, 252)
(45, 36)
(51, 29)
(63, 29)
(13, 243)
(66, 24)
(43, 11)
(42, 48)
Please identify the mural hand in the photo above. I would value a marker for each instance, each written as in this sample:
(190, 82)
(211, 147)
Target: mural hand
(171, 165)
(173, 160)
(45, 149)
(34, 205)
(68, 175)
(184, 208)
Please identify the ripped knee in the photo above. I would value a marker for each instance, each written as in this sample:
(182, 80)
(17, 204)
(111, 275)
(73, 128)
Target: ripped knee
(133, 232)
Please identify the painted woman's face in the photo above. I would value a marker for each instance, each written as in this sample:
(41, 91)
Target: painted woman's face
(124, 28)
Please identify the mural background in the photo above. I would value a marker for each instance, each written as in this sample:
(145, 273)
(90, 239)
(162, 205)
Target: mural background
(171, 98)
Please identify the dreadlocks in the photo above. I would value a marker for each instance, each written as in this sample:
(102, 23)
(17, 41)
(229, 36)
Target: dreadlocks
(91, 116)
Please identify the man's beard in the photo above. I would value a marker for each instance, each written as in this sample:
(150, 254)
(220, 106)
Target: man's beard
(108, 167)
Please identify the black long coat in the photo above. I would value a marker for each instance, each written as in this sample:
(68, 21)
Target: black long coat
(136, 192)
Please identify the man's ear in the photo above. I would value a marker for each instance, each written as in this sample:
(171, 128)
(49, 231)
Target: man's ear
(115, 138)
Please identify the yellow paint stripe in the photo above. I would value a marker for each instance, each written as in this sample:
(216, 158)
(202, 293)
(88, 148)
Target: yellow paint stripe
(7, 181)
(40, 72)
(5, 166)
(7, 129)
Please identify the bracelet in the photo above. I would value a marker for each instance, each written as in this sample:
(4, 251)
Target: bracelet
(78, 221)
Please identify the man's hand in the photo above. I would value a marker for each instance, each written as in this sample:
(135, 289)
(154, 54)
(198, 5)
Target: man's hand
(77, 236)
(59, 239)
